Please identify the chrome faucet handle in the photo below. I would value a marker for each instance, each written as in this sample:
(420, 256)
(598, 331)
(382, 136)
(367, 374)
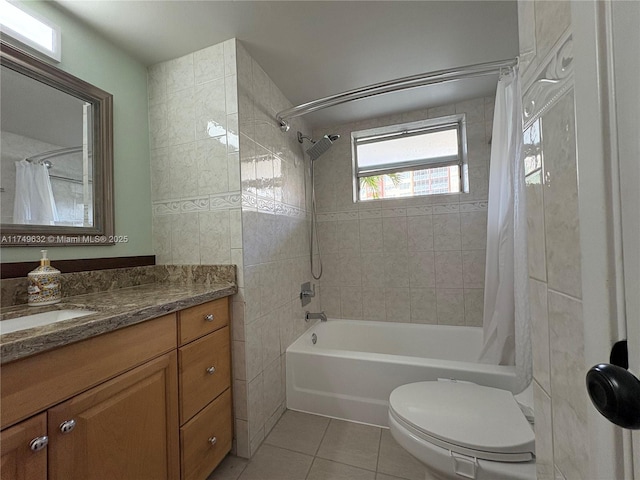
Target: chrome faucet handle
(307, 290)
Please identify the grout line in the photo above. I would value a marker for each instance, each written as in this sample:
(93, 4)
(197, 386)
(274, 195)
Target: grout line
(324, 434)
(310, 468)
(284, 448)
(348, 465)
(288, 450)
(378, 455)
(243, 469)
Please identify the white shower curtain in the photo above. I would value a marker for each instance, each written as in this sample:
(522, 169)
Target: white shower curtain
(507, 339)
(34, 203)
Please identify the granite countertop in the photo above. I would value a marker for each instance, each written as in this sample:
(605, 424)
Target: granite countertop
(114, 309)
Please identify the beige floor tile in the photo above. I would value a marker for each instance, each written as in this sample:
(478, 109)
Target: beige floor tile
(351, 443)
(273, 463)
(328, 470)
(230, 468)
(382, 476)
(299, 432)
(395, 460)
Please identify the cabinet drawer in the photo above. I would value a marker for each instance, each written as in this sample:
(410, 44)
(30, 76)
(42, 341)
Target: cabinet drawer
(200, 453)
(205, 371)
(197, 321)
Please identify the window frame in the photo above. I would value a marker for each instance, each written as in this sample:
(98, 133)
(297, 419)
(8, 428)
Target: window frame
(404, 130)
(13, 36)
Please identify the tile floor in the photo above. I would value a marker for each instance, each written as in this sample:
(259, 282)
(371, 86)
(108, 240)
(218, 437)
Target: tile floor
(310, 447)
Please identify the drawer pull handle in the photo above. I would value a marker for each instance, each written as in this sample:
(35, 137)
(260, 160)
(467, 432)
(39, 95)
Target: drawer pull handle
(209, 317)
(68, 426)
(212, 441)
(38, 443)
(211, 370)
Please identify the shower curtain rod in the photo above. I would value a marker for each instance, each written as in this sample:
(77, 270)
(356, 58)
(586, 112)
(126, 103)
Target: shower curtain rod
(53, 153)
(398, 84)
(42, 157)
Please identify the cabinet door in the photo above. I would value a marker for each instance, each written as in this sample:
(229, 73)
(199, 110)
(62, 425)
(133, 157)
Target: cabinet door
(126, 428)
(20, 459)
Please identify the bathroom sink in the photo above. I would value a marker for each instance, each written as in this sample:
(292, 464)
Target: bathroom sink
(40, 319)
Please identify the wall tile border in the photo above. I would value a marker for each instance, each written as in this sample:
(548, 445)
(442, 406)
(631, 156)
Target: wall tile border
(446, 208)
(439, 209)
(474, 207)
(206, 203)
(552, 80)
(421, 210)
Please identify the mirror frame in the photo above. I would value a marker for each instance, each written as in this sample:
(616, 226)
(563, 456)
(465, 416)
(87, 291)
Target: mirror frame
(102, 231)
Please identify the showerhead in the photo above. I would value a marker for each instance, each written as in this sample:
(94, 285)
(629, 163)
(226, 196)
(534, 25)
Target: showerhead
(319, 147)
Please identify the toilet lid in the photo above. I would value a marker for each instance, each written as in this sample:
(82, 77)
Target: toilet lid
(466, 418)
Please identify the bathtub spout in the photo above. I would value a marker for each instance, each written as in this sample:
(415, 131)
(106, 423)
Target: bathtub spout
(315, 316)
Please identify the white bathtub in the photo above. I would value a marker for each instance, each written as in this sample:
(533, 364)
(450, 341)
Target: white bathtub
(355, 365)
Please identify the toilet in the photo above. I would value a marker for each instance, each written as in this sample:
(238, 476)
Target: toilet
(463, 430)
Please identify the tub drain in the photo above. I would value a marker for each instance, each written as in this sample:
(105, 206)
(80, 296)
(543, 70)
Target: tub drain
(314, 338)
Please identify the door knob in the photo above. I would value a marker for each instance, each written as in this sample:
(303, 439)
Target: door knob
(615, 392)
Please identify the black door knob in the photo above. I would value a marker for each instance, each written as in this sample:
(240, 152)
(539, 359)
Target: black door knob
(615, 392)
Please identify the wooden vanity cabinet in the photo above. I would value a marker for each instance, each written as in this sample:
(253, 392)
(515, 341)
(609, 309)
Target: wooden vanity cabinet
(23, 450)
(137, 403)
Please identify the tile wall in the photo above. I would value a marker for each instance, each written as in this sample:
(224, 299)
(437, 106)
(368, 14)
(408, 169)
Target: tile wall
(417, 260)
(229, 188)
(195, 165)
(275, 245)
(560, 399)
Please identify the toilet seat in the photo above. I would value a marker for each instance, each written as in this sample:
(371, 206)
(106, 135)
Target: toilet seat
(468, 419)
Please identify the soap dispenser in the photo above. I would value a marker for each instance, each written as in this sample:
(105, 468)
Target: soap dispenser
(44, 283)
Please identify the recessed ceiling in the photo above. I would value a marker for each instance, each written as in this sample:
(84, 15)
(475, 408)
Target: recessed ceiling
(314, 49)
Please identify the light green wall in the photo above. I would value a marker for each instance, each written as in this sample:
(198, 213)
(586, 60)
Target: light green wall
(90, 57)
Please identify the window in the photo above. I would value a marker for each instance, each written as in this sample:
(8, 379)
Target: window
(30, 30)
(411, 159)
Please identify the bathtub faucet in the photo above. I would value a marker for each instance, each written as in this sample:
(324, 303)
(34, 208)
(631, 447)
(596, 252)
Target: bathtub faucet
(315, 316)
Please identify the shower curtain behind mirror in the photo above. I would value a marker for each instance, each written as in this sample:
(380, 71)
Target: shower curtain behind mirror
(507, 339)
(34, 203)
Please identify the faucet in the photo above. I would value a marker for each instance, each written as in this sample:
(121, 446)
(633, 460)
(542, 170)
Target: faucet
(315, 316)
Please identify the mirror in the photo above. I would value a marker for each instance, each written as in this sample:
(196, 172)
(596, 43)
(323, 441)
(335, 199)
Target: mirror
(56, 161)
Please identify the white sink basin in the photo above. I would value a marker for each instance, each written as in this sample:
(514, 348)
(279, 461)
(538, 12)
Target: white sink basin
(40, 319)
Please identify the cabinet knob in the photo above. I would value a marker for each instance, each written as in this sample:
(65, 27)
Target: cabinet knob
(209, 317)
(212, 441)
(211, 370)
(38, 443)
(68, 426)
